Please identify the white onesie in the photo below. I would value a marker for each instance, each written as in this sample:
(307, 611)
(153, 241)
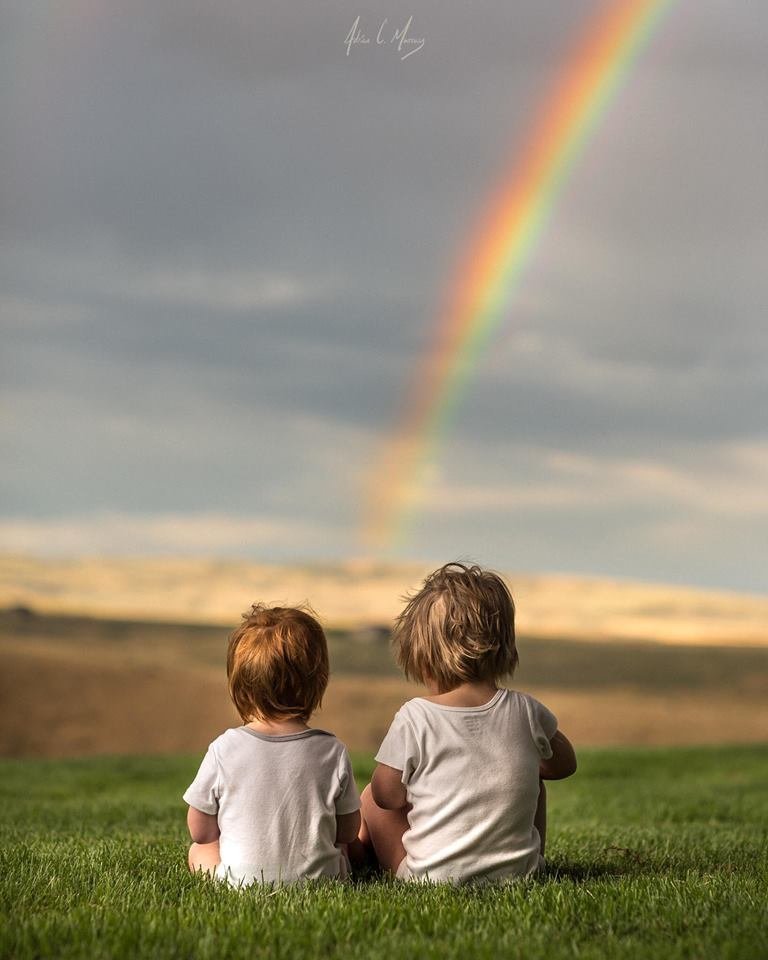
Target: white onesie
(276, 800)
(472, 776)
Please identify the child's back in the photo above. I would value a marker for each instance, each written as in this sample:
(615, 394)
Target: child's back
(472, 779)
(276, 799)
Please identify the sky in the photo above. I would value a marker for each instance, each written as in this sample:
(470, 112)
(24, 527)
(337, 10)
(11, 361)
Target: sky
(226, 237)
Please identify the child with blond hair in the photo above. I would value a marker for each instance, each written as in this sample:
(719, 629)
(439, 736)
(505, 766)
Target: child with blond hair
(274, 800)
(458, 790)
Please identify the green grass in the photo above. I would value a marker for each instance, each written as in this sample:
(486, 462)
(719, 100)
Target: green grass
(652, 854)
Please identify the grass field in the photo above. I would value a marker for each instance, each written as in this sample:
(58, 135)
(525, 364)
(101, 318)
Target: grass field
(653, 853)
(618, 694)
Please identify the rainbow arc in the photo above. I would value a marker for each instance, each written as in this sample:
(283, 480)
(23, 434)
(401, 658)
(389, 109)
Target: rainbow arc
(500, 248)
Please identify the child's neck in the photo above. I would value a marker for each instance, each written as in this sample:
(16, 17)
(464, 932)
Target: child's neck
(472, 694)
(277, 728)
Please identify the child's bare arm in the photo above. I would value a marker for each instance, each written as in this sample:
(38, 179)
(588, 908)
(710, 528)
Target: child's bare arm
(562, 763)
(387, 788)
(347, 826)
(203, 827)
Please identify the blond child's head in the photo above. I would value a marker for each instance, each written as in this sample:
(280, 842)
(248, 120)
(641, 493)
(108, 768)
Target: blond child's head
(277, 664)
(460, 627)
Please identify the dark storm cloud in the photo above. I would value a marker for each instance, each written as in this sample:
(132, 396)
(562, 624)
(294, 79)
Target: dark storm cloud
(188, 131)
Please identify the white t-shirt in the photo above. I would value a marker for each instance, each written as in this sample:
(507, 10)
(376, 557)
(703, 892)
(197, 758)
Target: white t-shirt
(472, 776)
(276, 800)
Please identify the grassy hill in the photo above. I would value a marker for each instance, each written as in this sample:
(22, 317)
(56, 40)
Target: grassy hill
(651, 853)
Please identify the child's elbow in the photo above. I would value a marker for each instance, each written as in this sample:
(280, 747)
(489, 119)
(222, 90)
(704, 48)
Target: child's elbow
(570, 767)
(558, 768)
(567, 766)
(562, 763)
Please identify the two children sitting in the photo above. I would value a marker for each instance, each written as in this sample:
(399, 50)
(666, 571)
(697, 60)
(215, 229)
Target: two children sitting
(457, 793)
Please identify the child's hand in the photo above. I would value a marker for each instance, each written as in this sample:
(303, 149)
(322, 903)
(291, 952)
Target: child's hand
(562, 763)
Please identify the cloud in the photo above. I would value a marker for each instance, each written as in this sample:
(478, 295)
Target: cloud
(725, 481)
(222, 291)
(170, 534)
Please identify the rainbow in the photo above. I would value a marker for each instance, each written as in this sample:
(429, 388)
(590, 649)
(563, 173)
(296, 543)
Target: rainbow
(498, 252)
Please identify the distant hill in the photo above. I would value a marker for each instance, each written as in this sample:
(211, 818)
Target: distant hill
(364, 593)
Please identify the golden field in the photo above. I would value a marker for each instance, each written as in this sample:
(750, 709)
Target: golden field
(361, 593)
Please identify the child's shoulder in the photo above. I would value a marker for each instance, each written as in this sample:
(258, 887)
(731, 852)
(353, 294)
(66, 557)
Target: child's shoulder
(412, 708)
(226, 739)
(535, 711)
(524, 698)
